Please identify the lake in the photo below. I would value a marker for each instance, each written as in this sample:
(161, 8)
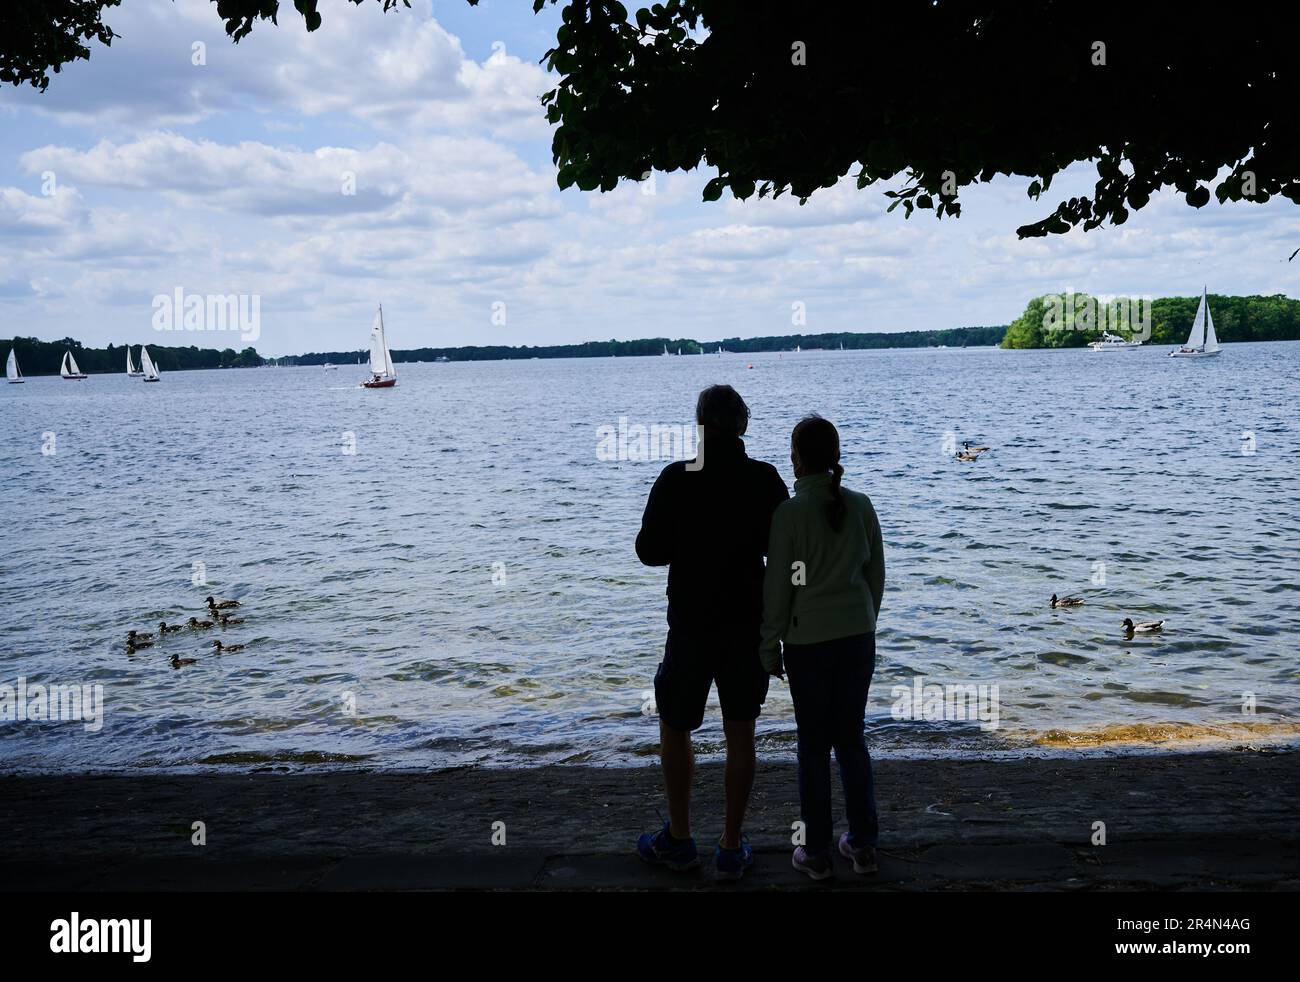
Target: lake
(443, 573)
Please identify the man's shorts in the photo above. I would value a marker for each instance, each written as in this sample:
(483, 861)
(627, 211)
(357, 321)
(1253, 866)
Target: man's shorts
(693, 663)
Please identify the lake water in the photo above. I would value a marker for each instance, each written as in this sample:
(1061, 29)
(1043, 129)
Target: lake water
(463, 588)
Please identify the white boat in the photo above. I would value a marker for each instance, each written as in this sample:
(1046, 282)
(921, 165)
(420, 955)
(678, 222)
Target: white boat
(69, 369)
(382, 373)
(131, 370)
(1202, 342)
(665, 351)
(1113, 342)
(146, 363)
(11, 369)
(331, 367)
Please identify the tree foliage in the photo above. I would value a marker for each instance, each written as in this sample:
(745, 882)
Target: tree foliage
(37, 357)
(1252, 318)
(930, 96)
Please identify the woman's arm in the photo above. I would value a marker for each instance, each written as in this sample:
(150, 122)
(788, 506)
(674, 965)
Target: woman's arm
(874, 569)
(778, 589)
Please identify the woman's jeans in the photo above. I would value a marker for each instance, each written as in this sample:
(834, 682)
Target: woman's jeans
(829, 683)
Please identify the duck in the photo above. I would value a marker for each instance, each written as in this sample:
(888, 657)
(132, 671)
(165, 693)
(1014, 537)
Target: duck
(178, 661)
(226, 647)
(1067, 601)
(165, 628)
(133, 646)
(1142, 627)
(197, 625)
(968, 452)
(214, 604)
(138, 638)
(227, 620)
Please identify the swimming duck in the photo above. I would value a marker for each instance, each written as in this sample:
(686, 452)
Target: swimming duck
(177, 661)
(195, 624)
(137, 638)
(226, 647)
(133, 646)
(165, 628)
(967, 456)
(1142, 627)
(1067, 601)
(227, 620)
(214, 604)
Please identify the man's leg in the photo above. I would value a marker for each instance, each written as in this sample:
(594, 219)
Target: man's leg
(678, 761)
(739, 780)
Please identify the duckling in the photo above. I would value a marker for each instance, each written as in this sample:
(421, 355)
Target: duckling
(1142, 627)
(133, 646)
(232, 648)
(197, 625)
(227, 620)
(165, 628)
(1067, 601)
(214, 604)
(177, 661)
(138, 638)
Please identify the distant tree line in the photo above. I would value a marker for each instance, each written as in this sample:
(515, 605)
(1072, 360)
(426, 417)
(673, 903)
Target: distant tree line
(953, 338)
(37, 357)
(1252, 318)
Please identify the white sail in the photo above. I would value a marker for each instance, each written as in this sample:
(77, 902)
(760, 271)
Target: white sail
(381, 359)
(69, 365)
(11, 367)
(130, 368)
(150, 372)
(1211, 339)
(1197, 337)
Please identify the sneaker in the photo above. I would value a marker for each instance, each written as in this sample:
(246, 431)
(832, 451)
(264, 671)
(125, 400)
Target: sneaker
(816, 865)
(732, 863)
(661, 848)
(864, 859)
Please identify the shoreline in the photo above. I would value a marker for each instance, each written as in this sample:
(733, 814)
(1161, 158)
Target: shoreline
(1205, 821)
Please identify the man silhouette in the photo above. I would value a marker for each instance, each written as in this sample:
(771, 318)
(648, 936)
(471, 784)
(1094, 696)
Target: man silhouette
(707, 520)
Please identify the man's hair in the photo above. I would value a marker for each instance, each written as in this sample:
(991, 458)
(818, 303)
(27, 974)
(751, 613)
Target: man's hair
(722, 412)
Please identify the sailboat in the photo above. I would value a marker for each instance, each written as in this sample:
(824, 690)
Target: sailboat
(382, 373)
(1202, 342)
(69, 369)
(150, 370)
(131, 370)
(665, 351)
(11, 369)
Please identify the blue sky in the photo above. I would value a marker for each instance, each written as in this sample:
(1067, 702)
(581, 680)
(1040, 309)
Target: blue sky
(228, 177)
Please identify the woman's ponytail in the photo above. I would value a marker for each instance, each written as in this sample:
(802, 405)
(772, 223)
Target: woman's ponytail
(837, 509)
(818, 444)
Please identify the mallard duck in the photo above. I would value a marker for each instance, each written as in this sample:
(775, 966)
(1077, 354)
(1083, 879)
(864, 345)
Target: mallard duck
(227, 620)
(165, 628)
(1067, 601)
(226, 647)
(177, 661)
(1142, 627)
(214, 604)
(137, 638)
(197, 625)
